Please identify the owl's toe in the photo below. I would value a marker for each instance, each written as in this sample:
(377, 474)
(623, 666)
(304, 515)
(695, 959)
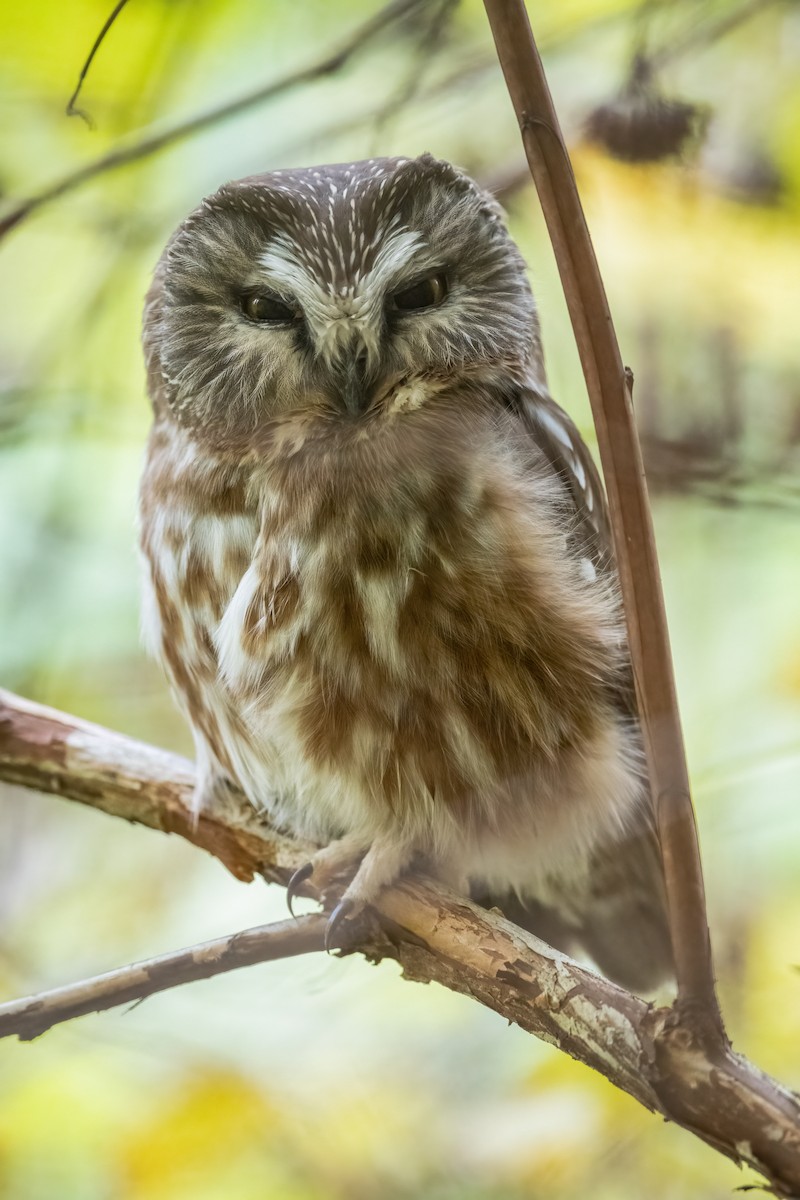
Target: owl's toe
(344, 909)
(350, 876)
(328, 873)
(296, 882)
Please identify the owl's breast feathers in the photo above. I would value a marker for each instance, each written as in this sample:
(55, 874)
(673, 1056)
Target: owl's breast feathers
(387, 628)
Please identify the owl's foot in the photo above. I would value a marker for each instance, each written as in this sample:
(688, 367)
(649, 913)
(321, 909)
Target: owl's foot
(384, 860)
(329, 870)
(383, 863)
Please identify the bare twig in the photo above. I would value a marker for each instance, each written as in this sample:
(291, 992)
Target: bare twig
(152, 143)
(429, 39)
(705, 33)
(630, 511)
(328, 65)
(34, 1015)
(130, 152)
(652, 1053)
(71, 110)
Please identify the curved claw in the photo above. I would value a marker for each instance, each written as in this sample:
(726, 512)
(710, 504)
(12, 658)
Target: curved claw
(337, 918)
(299, 878)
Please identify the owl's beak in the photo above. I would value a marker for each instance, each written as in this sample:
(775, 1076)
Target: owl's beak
(354, 385)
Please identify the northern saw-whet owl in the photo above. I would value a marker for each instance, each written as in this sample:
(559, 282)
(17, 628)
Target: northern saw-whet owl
(378, 567)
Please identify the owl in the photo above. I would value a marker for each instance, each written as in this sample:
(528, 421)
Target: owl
(377, 561)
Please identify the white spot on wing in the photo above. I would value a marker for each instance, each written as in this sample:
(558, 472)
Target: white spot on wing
(555, 427)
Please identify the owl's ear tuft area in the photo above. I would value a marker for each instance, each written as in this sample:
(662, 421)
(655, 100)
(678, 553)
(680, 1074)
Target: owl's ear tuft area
(456, 180)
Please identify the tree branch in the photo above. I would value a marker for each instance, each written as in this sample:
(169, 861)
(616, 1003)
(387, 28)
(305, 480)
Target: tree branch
(50, 752)
(654, 1054)
(34, 1015)
(329, 64)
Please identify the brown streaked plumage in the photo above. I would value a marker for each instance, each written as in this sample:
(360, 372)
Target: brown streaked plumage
(377, 559)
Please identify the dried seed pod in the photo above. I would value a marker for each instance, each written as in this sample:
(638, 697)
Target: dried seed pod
(640, 124)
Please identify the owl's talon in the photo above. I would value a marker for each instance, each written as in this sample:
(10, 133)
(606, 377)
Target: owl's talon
(341, 912)
(294, 884)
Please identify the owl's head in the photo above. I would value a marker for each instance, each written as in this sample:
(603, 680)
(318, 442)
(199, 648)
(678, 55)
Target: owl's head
(329, 289)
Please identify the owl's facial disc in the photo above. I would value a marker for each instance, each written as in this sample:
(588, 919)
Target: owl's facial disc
(355, 367)
(348, 324)
(360, 378)
(326, 289)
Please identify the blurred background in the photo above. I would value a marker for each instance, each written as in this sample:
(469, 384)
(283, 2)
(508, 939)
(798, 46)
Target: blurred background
(318, 1079)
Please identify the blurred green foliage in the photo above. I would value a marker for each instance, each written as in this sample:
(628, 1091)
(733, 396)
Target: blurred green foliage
(316, 1079)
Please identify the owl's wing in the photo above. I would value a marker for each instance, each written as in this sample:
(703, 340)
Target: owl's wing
(617, 913)
(589, 530)
(557, 436)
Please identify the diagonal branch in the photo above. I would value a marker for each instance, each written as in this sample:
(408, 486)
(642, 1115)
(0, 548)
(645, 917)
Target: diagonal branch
(706, 33)
(34, 1015)
(329, 64)
(654, 1054)
(634, 540)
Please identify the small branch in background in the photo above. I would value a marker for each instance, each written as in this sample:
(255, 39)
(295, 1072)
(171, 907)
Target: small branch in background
(396, 11)
(634, 539)
(151, 144)
(429, 37)
(706, 33)
(34, 1015)
(71, 110)
(329, 64)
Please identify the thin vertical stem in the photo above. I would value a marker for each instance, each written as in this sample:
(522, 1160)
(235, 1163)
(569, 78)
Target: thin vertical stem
(628, 502)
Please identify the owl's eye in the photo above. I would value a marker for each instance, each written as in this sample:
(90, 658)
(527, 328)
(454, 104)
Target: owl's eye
(258, 306)
(426, 293)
